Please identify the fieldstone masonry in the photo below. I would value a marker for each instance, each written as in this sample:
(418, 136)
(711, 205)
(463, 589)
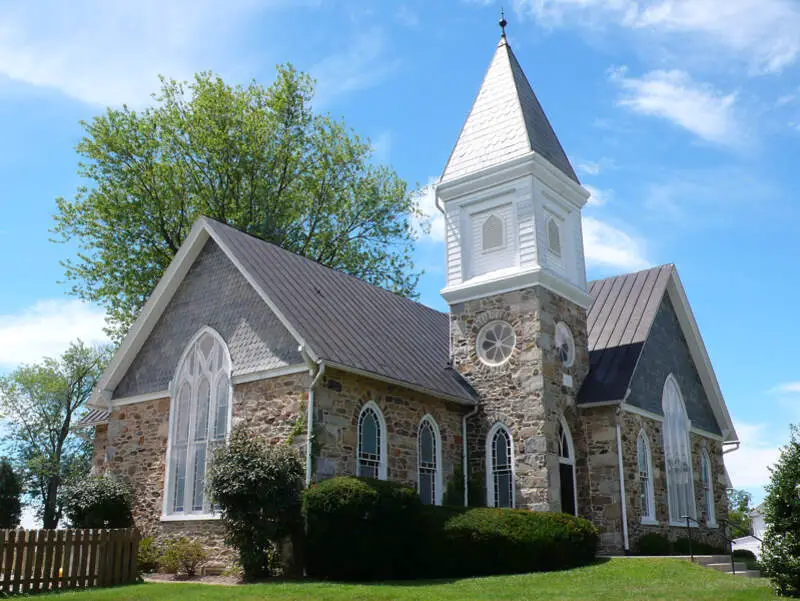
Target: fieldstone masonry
(527, 393)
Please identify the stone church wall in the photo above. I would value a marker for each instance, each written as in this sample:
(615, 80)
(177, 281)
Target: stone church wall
(631, 425)
(527, 393)
(134, 443)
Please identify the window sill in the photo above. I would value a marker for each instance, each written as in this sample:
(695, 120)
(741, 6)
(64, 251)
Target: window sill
(191, 517)
(683, 524)
(650, 522)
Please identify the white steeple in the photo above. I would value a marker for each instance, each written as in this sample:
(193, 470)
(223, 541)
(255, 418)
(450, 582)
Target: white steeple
(511, 199)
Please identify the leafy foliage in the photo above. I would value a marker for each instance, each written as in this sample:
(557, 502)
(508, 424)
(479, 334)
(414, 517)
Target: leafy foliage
(10, 495)
(98, 502)
(148, 555)
(256, 487)
(253, 157)
(362, 529)
(653, 543)
(739, 512)
(182, 557)
(39, 403)
(781, 547)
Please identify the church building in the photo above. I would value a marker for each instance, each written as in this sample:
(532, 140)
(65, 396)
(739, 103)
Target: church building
(537, 390)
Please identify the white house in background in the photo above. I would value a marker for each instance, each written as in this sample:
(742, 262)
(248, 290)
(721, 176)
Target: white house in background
(753, 542)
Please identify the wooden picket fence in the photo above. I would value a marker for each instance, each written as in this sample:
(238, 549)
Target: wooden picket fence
(46, 560)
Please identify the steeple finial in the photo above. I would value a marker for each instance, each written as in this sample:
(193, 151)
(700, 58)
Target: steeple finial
(503, 22)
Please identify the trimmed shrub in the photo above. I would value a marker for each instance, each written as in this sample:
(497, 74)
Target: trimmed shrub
(360, 529)
(257, 488)
(681, 547)
(98, 502)
(148, 556)
(744, 555)
(653, 543)
(182, 557)
(10, 495)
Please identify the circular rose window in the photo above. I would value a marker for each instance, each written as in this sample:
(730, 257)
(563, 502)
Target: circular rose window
(496, 341)
(565, 344)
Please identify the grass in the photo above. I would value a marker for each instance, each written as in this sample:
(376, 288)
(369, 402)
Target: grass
(618, 579)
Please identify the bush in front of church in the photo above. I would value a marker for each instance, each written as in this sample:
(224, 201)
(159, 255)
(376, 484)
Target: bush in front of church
(98, 502)
(780, 559)
(362, 529)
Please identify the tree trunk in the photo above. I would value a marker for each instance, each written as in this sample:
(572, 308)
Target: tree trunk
(50, 514)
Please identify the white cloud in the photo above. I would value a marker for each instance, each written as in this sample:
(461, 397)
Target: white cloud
(432, 219)
(361, 65)
(588, 167)
(598, 197)
(382, 147)
(764, 34)
(607, 246)
(786, 388)
(748, 466)
(103, 52)
(46, 329)
(674, 96)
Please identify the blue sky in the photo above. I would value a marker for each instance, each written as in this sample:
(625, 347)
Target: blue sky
(682, 117)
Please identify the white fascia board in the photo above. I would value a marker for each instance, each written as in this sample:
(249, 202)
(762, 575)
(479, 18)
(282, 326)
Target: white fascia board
(140, 398)
(267, 374)
(151, 312)
(507, 282)
(697, 348)
(660, 418)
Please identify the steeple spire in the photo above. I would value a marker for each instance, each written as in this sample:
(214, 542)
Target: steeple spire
(503, 23)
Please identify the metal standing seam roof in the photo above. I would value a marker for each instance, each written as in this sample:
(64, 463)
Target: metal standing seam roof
(349, 322)
(93, 417)
(618, 321)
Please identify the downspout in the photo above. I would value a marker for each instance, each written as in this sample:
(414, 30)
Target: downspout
(317, 370)
(464, 456)
(623, 498)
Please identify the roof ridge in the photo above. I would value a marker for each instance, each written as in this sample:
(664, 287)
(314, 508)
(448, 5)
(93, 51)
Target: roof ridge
(621, 275)
(318, 264)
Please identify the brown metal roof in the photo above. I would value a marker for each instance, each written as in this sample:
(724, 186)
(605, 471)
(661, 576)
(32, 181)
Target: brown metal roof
(351, 323)
(619, 319)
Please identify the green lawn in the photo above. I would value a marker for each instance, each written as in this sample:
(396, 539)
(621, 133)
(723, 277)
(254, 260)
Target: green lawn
(617, 580)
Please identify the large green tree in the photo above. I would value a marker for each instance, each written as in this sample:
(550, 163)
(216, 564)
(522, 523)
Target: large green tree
(10, 495)
(255, 157)
(780, 551)
(39, 403)
(739, 512)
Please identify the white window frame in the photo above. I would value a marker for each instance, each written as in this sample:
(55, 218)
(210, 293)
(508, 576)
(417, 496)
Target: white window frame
(382, 443)
(677, 447)
(568, 460)
(481, 338)
(564, 329)
(167, 515)
(707, 479)
(643, 446)
(437, 455)
(490, 495)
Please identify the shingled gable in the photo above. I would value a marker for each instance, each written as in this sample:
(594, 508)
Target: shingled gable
(505, 121)
(619, 321)
(340, 320)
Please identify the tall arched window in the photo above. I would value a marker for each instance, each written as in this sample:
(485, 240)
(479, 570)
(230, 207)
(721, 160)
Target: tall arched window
(429, 462)
(500, 467)
(566, 464)
(371, 454)
(708, 489)
(199, 422)
(646, 493)
(678, 455)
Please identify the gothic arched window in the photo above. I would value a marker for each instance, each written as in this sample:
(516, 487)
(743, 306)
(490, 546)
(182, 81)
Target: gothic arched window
(646, 493)
(500, 467)
(492, 233)
(566, 464)
(553, 237)
(708, 489)
(678, 455)
(199, 421)
(371, 454)
(429, 462)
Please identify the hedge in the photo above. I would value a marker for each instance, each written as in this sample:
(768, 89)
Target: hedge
(360, 529)
(654, 543)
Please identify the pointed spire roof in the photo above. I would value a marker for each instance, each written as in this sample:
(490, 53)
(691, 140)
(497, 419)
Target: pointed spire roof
(506, 121)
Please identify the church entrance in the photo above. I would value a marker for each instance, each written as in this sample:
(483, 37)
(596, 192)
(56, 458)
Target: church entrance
(566, 465)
